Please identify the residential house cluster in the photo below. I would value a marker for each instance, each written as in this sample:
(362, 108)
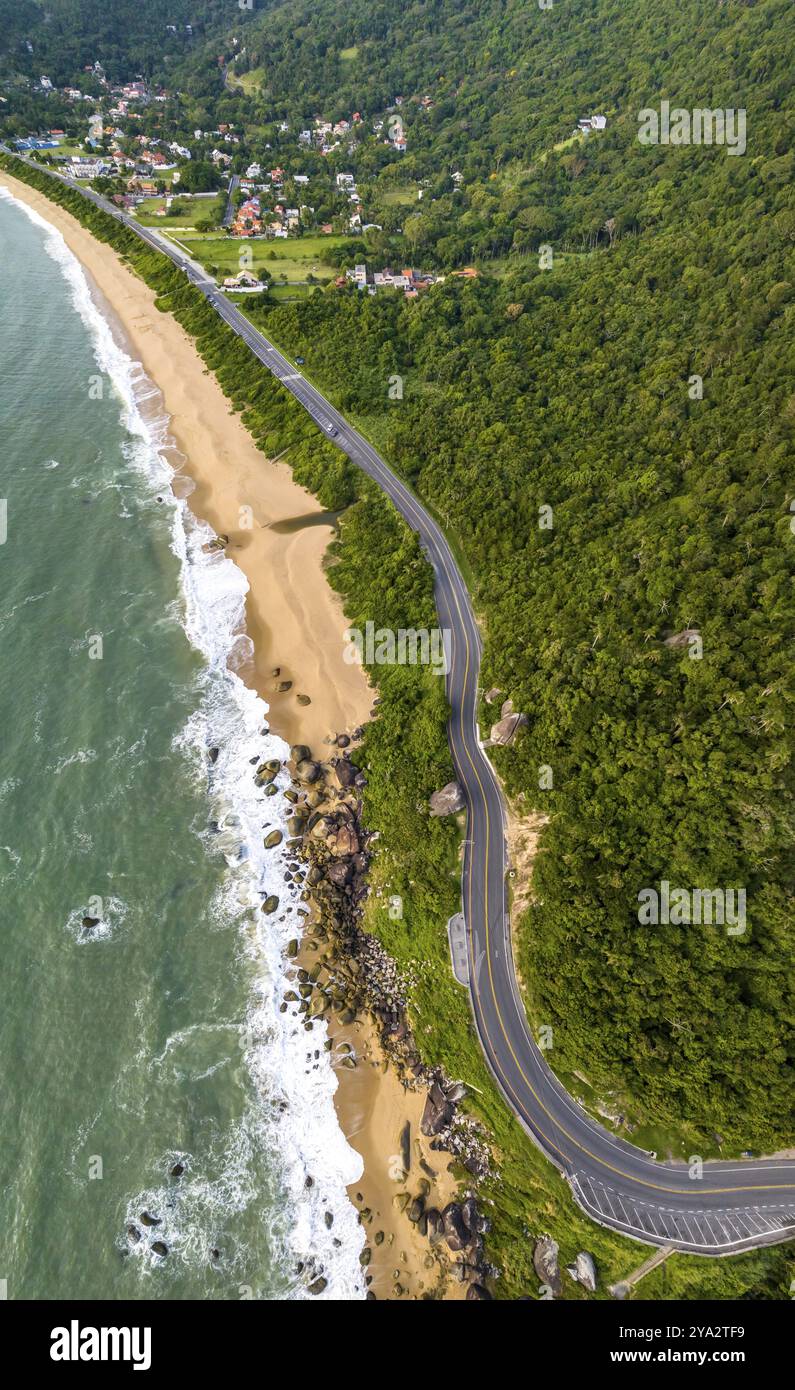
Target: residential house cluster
(326, 136)
(254, 220)
(411, 282)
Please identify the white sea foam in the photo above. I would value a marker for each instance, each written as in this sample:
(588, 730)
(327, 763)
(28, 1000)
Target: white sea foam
(83, 755)
(293, 1114)
(114, 911)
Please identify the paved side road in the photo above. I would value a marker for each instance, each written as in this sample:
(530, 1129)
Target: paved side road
(735, 1205)
(229, 214)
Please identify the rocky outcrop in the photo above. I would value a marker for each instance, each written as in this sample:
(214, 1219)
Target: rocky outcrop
(504, 731)
(456, 1231)
(353, 975)
(448, 801)
(583, 1271)
(345, 772)
(545, 1263)
(438, 1112)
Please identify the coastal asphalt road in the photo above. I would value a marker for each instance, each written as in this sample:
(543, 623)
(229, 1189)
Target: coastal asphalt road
(733, 1205)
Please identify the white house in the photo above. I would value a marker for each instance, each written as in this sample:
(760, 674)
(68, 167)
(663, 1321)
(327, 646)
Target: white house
(87, 168)
(587, 123)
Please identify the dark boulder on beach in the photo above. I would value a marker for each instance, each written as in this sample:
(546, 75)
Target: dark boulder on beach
(270, 904)
(438, 1111)
(339, 873)
(346, 772)
(308, 771)
(267, 771)
(455, 1228)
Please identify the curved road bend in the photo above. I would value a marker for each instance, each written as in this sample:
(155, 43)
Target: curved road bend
(736, 1205)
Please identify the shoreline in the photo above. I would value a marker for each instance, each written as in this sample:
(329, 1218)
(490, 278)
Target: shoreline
(295, 621)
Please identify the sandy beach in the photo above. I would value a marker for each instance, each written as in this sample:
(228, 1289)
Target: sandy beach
(296, 622)
(293, 616)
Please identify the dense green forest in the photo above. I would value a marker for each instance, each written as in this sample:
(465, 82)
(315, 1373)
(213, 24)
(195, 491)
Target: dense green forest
(128, 37)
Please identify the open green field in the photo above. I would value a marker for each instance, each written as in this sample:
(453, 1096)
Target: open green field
(347, 55)
(285, 294)
(247, 82)
(402, 196)
(291, 260)
(68, 148)
(192, 210)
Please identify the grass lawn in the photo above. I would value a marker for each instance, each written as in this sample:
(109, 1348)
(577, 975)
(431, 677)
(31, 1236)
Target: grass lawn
(192, 210)
(293, 259)
(289, 293)
(347, 55)
(392, 197)
(247, 81)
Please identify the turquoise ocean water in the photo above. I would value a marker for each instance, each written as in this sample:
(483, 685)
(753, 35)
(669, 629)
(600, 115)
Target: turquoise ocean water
(153, 1039)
